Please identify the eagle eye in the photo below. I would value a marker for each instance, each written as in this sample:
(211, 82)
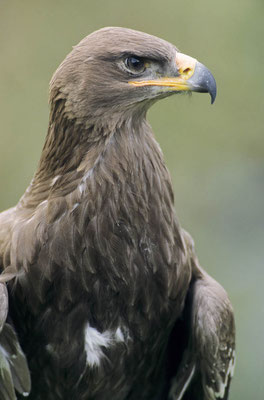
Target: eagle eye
(135, 64)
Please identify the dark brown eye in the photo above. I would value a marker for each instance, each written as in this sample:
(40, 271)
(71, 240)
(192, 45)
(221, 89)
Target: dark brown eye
(136, 65)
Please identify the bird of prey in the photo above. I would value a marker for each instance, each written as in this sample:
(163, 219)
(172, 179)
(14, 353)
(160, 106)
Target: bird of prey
(102, 296)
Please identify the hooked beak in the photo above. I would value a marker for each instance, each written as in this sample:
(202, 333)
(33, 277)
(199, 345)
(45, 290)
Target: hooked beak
(191, 76)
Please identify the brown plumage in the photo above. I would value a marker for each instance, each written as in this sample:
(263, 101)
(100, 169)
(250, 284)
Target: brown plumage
(106, 294)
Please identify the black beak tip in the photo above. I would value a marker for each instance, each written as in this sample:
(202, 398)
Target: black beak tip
(212, 90)
(203, 81)
(213, 94)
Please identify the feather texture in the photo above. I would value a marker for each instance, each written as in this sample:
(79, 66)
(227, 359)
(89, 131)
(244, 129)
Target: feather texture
(106, 295)
(14, 373)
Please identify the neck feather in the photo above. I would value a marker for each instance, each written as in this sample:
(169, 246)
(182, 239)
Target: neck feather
(77, 153)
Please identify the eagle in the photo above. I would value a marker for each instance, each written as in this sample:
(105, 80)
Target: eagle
(102, 295)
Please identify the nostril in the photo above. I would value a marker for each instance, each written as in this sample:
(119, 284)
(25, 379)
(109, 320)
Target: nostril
(185, 65)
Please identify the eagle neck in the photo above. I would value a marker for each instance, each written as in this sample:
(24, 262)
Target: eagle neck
(69, 144)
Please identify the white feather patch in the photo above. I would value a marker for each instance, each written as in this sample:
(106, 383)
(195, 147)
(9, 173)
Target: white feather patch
(229, 373)
(96, 341)
(54, 180)
(119, 335)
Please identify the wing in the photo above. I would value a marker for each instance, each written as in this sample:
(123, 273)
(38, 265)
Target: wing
(207, 363)
(14, 373)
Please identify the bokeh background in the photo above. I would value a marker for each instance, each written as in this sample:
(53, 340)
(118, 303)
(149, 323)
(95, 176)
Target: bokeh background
(215, 153)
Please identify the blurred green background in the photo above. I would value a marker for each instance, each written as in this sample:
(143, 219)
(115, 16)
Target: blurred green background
(215, 153)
